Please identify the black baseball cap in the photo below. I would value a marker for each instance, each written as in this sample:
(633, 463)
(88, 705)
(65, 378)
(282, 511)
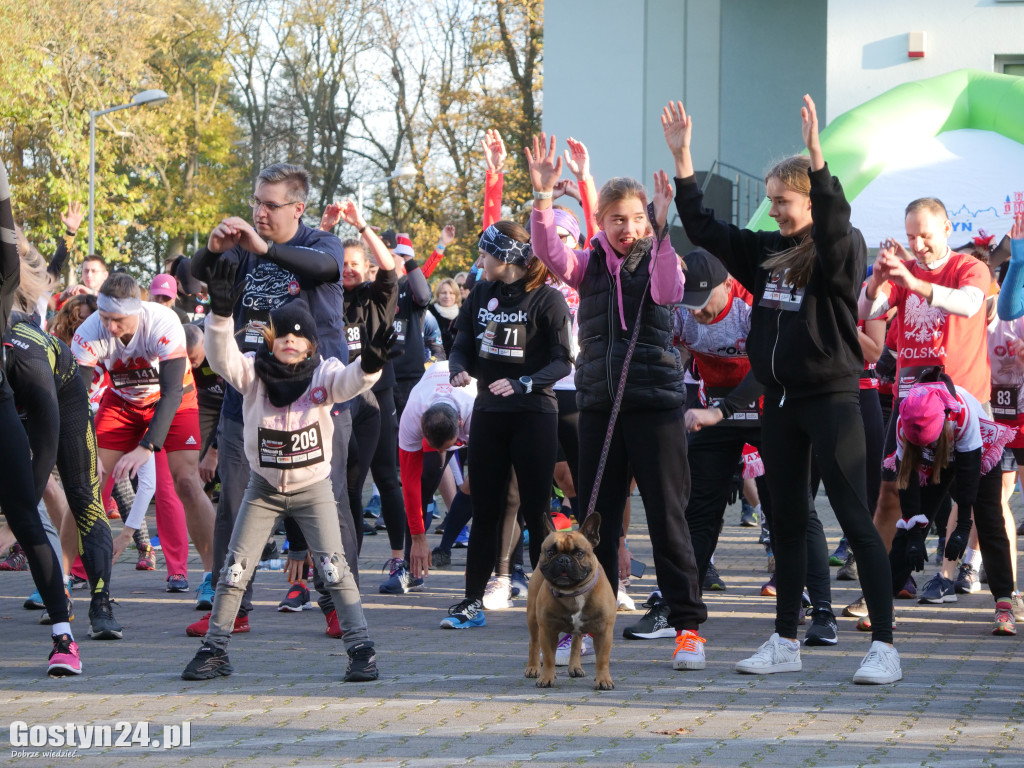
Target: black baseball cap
(703, 274)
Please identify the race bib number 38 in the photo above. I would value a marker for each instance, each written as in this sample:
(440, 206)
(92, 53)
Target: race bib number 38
(281, 449)
(504, 342)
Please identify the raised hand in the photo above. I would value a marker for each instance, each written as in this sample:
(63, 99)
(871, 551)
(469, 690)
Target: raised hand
(1017, 230)
(494, 151)
(897, 249)
(224, 236)
(447, 235)
(351, 214)
(72, 217)
(567, 187)
(577, 159)
(677, 127)
(545, 164)
(662, 198)
(809, 129)
(331, 217)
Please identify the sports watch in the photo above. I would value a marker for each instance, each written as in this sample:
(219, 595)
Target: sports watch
(527, 383)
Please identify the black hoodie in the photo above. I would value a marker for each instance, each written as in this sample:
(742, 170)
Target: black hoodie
(798, 346)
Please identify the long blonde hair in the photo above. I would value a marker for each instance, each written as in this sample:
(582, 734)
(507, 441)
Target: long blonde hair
(913, 456)
(794, 173)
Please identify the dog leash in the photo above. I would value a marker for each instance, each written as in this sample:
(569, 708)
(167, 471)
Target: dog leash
(617, 402)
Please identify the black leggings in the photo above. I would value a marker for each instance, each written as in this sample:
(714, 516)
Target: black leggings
(828, 425)
(569, 431)
(384, 468)
(361, 447)
(498, 443)
(874, 441)
(76, 462)
(19, 506)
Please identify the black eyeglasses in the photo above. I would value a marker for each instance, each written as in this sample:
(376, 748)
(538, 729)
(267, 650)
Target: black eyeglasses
(256, 203)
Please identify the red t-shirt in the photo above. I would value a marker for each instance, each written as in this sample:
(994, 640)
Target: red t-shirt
(931, 336)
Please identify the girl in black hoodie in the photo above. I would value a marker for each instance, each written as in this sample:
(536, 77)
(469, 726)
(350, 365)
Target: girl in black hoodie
(804, 349)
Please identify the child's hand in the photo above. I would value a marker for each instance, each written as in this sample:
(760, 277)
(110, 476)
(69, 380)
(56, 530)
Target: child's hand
(1017, 230)
(544, 162)
(677, 126)
(494, 151)
(662, 199)
(809, 115)
(577, 159)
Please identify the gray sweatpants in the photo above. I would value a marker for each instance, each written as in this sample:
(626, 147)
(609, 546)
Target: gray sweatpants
(316, 512)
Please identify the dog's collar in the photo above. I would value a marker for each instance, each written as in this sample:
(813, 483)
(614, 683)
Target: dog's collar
(577, 593)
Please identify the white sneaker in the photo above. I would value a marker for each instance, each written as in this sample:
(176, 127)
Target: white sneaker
(775, 655)
(689, 651)
(498, 594)
(564, 645)
(880, 666)
(625, 602)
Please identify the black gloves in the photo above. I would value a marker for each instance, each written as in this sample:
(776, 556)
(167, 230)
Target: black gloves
(956, 544)
(916, 554)
(221, 287)
(377, 348)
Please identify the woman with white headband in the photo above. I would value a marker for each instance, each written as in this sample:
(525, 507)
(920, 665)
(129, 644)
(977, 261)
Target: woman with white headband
(151, 404)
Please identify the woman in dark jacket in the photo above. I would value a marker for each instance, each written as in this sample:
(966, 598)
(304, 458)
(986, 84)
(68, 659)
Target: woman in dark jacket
(804, 349)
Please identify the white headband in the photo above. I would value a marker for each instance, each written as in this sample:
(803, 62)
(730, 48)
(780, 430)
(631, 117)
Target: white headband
(129, 306)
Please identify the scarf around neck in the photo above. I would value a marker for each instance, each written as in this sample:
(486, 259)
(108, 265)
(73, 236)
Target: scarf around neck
(285, 383)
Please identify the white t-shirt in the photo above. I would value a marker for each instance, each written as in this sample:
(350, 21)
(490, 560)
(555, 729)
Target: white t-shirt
(433, 388)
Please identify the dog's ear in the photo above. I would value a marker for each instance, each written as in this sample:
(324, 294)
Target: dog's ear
(549, 524)
(590, 528)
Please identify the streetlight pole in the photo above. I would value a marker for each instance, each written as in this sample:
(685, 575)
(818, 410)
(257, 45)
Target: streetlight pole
(406, 171)
(152, 96)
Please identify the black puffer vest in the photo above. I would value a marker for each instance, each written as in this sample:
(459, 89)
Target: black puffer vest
(655, 379)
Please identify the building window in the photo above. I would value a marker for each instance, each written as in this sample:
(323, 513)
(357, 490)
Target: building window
(1010, 64)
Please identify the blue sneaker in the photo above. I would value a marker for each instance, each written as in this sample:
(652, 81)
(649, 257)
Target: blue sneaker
(937, 590)
(373, 508)
(462, 540)
(34, 602)
(520, 582)
(177, 583)
(204, 594)
(154, 542)
(399, 580)
(465, 615)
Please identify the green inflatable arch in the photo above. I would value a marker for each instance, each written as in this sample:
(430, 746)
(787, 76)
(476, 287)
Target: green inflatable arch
(858, 144)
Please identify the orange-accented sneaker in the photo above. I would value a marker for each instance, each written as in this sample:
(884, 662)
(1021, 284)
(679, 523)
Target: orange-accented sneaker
(689, 653)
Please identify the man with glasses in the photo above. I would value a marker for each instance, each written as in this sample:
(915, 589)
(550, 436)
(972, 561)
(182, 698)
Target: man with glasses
(280, 260)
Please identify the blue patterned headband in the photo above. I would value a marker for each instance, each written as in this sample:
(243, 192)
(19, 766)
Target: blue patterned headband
(504, 248)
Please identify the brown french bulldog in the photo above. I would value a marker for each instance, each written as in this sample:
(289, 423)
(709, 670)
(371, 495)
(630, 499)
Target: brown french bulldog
(569, 592)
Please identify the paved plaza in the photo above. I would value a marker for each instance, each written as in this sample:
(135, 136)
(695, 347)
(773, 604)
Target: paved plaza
(453, 698)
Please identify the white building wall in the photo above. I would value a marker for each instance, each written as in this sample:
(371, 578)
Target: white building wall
(867, 43)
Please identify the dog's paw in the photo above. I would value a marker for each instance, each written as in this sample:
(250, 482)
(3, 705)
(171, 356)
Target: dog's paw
(532, 672)
(546, 682)
(577, 672)
(603, 684)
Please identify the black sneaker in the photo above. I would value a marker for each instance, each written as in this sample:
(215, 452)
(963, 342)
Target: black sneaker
(209, 662)
(713, 580)
(362, 663)
(654, 623)
(439, 558)
(102, 625)
(823, 630)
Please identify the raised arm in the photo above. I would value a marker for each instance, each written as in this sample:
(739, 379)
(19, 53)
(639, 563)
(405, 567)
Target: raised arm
(494, 156)
(353, 216)
(545, 168)
(1010, 304)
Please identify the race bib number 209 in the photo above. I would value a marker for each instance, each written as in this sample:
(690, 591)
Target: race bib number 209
(283, 449)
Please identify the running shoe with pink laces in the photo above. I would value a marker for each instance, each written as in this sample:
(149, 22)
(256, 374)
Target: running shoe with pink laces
(64, 659)
(1006, 622)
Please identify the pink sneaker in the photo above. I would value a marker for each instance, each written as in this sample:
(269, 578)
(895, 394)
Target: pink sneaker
(64, 658)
